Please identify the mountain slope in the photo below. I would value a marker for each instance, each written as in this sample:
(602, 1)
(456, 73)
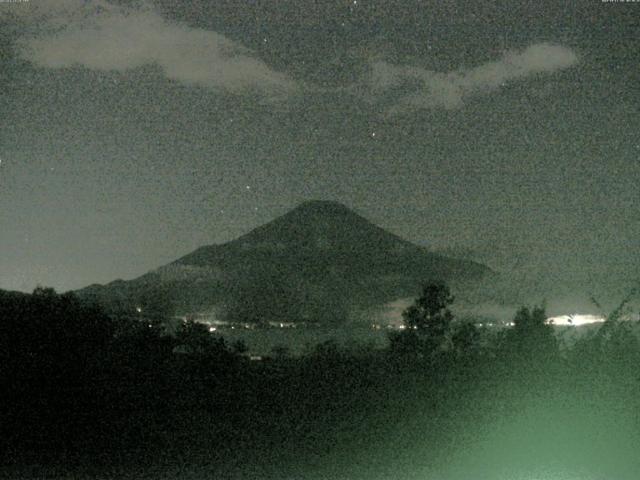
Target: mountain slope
(318, 262)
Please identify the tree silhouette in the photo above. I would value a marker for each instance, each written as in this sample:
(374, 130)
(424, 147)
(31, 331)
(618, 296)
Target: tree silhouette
(531, 337)
(427, 322)
(430, 316)
(196, 339)
(465, 339)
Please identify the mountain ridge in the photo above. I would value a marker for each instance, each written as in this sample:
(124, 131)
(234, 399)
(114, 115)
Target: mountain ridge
(319, 260)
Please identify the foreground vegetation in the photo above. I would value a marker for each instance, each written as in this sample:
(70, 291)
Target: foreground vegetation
(90, 395)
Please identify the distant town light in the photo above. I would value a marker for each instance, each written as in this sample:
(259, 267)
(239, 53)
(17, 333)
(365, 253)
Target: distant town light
(138, 309)
(574, 320)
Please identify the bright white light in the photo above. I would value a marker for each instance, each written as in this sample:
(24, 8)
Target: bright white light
(138, 309)
(575, 320)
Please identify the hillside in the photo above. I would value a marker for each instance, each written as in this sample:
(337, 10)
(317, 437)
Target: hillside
(319, 262)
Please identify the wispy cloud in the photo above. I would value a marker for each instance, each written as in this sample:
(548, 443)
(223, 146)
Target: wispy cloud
(429, 89)
(108, 38)
(99, 35)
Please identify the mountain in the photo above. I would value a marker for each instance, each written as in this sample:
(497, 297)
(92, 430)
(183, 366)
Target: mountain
(320, 262)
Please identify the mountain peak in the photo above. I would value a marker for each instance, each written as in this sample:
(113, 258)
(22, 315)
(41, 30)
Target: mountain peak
(322, 206)
(320, 213)
(320, 224)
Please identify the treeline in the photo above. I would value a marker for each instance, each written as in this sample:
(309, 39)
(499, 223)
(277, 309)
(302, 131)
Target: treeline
(85, 390)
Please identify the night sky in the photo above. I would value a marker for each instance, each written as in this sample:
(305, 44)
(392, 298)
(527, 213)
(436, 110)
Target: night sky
(133, 132)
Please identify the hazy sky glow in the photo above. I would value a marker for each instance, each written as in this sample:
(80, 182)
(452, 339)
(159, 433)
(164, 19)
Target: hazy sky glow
(132, 132)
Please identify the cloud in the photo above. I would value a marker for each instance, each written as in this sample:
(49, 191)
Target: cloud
(429, 89)
(113, 39)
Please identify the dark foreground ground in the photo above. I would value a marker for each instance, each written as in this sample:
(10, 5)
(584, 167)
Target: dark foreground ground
(365, 418)
(87, 401)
